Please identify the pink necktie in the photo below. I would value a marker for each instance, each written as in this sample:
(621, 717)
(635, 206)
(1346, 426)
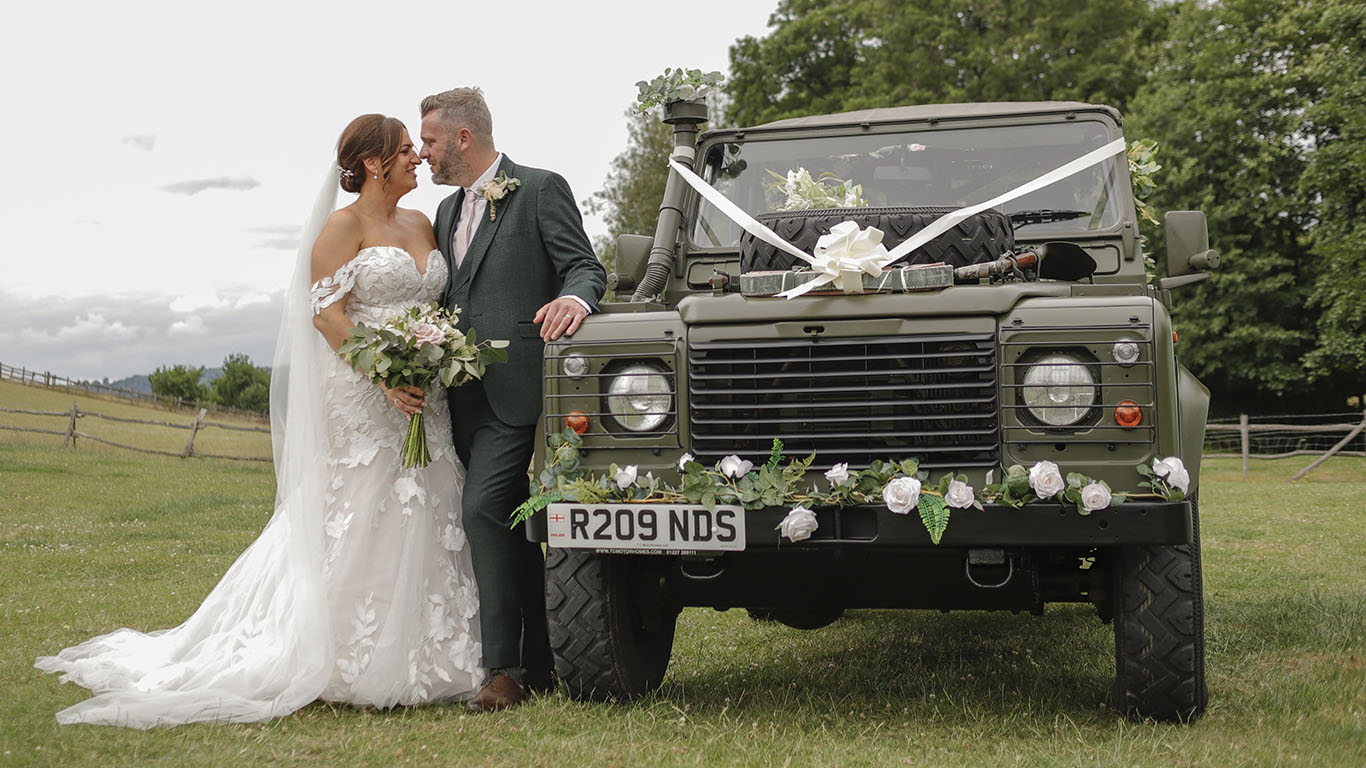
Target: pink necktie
(464, 231)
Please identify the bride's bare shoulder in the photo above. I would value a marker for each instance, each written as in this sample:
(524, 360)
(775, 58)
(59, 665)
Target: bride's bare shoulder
(337, 243)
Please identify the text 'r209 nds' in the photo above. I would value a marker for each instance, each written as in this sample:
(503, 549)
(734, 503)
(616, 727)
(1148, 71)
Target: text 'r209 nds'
(646, 527)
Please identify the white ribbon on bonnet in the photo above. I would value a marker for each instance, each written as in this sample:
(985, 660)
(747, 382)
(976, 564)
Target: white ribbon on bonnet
(847, 253)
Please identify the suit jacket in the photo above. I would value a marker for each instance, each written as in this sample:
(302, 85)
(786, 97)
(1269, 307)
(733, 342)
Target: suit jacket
(533, 251)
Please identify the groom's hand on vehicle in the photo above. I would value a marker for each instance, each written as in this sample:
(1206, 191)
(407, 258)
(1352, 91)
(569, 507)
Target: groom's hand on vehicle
(408, 400)
(559, 317)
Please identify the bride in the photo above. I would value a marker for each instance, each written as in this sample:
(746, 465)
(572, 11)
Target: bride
(359, 589)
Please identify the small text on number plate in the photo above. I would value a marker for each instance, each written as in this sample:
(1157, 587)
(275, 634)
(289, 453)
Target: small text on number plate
(653, 528)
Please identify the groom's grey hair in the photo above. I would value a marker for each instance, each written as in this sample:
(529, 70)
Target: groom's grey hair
(463, 108)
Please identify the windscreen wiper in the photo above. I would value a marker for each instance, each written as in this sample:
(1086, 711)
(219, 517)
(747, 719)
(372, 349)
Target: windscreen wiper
(1043, 216)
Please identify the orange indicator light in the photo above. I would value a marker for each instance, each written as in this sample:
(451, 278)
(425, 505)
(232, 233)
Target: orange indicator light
(1128, 414)
(577, 421)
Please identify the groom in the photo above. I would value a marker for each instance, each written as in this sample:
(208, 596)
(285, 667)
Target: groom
(518, 259)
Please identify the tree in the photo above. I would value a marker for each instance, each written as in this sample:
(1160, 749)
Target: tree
(1227, 102)
(242, 385)
(180, 381)
(1336, 177)
(634, 187)
(837, 55)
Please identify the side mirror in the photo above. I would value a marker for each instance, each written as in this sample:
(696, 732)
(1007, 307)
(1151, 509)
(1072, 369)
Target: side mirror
(1189, 258)
(633, 253)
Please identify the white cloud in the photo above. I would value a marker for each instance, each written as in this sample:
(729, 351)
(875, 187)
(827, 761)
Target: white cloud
(203, 297)
(190, 326)
(250, 300)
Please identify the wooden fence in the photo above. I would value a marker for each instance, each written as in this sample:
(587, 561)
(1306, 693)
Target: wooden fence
(51, 380)
(71, 434)
(1278, 437)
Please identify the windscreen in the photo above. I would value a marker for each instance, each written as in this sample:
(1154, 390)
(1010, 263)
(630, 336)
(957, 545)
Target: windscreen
(949, 167)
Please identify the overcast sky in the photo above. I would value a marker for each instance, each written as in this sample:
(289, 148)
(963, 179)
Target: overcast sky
(160, 156)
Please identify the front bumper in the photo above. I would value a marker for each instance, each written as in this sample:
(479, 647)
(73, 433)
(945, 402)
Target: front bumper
(1044, 524)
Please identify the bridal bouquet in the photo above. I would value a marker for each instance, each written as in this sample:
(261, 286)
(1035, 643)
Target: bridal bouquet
(415, 348)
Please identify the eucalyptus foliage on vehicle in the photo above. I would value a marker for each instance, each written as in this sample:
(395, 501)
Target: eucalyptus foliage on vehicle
(901, 486)
(414, 349)
(675, 85)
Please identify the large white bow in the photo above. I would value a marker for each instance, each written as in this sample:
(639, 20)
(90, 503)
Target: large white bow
(843, 257)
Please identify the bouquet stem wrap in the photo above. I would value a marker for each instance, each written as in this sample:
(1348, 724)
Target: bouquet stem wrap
(415, 453)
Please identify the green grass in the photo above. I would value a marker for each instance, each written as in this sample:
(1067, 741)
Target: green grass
(210, 439)
(90, 541)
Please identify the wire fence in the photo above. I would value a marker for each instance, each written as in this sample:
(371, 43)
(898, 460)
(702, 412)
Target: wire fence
(71, 434)
(53, 381)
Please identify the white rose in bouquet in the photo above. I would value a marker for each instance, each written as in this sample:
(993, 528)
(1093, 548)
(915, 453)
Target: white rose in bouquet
(734, 466)
(1095, 496)
(1046, 480)
(901, 494)
(959, 495)
(683, 461)
(626, 476)
(838, 474)
(1174, 472)
(798, 524)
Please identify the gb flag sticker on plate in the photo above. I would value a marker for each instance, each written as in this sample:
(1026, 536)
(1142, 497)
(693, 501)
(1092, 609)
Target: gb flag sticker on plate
(647, 528)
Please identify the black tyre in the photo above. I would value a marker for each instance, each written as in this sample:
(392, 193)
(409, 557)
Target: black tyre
(1160, 632)
(982, 237)
(611, 623)
(813, 618)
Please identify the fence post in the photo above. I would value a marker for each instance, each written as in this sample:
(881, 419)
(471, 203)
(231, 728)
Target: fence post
(194, 429)
(1242, 428)
(70, 440)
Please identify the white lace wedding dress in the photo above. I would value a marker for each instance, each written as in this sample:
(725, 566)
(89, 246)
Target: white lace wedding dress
(360, 588)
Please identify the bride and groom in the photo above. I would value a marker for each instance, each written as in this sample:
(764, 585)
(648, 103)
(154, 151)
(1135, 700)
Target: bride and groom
(373, 584)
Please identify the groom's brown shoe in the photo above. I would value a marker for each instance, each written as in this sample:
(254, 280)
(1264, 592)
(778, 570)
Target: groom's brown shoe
(499, 691)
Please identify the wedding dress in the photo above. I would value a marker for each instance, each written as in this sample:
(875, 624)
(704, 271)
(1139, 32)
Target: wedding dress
(360, 588)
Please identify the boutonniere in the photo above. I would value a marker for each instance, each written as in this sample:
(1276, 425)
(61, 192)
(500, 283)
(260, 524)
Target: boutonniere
(496, 189)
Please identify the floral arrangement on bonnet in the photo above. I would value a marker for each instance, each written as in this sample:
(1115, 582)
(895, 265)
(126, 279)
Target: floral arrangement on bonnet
(901, 486)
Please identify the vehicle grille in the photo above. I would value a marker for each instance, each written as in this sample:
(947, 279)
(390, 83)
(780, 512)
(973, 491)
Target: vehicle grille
(932, 398)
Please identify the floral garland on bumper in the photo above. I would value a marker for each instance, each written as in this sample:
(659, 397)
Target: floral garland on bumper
(899, 485)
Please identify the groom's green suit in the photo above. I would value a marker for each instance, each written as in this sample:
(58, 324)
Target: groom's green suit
(533, 251)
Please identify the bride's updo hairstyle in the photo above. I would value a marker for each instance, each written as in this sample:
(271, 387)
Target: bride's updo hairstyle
(368, 136)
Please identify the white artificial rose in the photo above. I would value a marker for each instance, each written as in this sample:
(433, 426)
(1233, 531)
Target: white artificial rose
(626, 476)
(1046, 480)
(683, 461)
(1095, 496)
(734, 466)
(798, 524)
(1174, 472)
(838, 474)
(959, 495)
(901, 494)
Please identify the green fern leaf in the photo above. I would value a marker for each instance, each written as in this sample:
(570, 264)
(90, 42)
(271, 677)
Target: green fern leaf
(528, 509)
(934, 513)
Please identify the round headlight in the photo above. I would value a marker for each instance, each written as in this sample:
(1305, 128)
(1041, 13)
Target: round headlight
(1059, 390)
(639, 396)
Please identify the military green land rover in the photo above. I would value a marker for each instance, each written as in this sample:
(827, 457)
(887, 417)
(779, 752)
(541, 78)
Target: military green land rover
(1046, 343)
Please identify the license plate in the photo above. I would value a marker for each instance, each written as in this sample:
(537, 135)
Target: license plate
(646, 528)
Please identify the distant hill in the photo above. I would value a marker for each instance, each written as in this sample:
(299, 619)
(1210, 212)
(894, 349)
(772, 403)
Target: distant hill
(140, 382)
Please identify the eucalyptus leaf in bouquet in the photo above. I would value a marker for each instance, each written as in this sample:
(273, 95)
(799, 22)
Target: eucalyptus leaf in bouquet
(414, 349)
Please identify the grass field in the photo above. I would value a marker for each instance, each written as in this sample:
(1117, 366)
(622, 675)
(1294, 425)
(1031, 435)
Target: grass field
(210, 439)
(95, 539)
